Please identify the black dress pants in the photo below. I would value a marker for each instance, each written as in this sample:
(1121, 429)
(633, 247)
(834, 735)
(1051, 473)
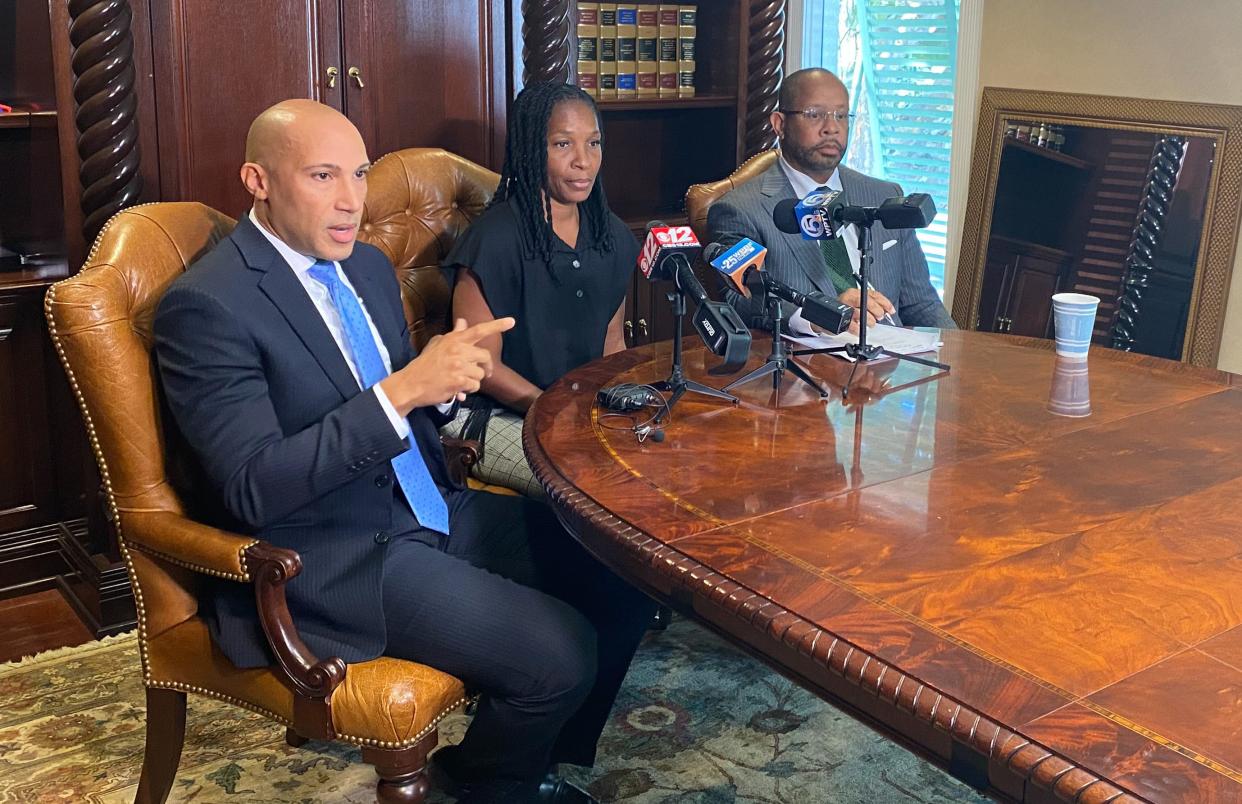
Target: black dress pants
(511, 604)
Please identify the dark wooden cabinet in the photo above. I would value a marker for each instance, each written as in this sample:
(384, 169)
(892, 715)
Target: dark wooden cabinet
(1019, 281)
(406, 72)
(26, 480)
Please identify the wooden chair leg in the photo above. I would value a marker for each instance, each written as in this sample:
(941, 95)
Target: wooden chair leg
(402, 772)
(293, 739)
(165, 736)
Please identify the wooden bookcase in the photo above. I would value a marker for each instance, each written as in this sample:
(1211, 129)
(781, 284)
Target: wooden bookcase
(654, 149)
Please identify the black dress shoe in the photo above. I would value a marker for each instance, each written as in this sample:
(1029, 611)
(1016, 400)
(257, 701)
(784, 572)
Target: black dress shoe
(558, 789)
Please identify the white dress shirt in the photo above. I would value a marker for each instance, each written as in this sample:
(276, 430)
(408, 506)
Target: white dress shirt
(322, 299)
(803, 185)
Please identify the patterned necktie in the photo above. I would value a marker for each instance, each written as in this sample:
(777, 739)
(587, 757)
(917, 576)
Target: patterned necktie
(420, 490)
(837, 259)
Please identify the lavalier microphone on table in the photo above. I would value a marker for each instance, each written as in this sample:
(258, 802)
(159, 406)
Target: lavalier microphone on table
(626, 398)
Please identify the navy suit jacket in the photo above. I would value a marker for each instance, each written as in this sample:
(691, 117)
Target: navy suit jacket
(899, 272)
(296, 453)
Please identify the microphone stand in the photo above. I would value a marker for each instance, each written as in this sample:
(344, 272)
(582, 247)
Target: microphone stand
(677, 382)
(778, 361)
(862, 350)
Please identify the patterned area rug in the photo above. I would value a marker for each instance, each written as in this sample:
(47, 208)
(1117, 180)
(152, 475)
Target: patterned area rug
(697, 721)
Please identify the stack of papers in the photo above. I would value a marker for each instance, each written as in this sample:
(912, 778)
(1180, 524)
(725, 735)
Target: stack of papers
(895, 339)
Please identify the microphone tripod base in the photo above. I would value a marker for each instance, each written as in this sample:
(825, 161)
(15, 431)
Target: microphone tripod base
(777, 368)
(679, 389)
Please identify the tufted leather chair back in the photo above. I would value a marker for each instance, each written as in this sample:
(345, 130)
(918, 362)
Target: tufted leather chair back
(700, 197)
(100, 323)
(419, 200)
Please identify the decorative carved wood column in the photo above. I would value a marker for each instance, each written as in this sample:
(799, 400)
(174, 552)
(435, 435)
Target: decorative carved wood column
(1148, 232)
(103, 91)
(548, 40)
(765, 67)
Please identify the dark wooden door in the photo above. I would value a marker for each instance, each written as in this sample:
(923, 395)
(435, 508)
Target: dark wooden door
(427, 73)
(216, 67)
(1030, 301)
(26, 487)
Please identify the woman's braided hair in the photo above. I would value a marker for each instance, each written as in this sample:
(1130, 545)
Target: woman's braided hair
(524, 176)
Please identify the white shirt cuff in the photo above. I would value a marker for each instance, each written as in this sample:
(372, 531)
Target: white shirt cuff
(797, 325)
(398, 421)
(444, 407)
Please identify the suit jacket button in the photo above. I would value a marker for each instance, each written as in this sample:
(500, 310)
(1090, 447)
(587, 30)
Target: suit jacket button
(381, 481)
(381, 537)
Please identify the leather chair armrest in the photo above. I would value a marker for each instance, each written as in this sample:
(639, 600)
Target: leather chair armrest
(312, 680)
(176, 538)
(460, 454)
(211, 551)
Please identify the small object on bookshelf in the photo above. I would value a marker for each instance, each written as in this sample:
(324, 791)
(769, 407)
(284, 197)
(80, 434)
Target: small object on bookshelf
(648, 50)
(687, 29)
(1011, 130)
(627, 51)
(588, 48)
(607, 51)
(1041, 136)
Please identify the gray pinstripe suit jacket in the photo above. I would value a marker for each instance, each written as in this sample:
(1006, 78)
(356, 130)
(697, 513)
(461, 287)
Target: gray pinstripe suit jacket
(899, 272)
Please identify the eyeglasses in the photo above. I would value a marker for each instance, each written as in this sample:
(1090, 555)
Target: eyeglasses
(820, 115)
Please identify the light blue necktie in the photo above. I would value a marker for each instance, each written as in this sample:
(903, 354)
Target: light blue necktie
(420, 490)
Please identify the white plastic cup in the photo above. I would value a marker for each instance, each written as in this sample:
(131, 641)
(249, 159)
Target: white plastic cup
(1073, 317)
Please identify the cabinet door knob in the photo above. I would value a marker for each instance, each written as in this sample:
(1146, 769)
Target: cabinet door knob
(642, 327)
(356, 74)
(629, 331)
(332, 74)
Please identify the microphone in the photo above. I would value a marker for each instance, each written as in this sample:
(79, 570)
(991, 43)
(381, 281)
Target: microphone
(823, 311)
(734, 262)
(666, 254)
(815, 221)
(664, 248)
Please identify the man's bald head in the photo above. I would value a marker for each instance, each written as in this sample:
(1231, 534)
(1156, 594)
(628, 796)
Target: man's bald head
(798, 85)
(279, 126)
(306, 167)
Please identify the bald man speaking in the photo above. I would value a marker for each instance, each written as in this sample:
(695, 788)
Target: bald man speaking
(288, 368)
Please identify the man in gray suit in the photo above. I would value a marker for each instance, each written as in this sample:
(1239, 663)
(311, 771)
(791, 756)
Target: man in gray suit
(812, 123)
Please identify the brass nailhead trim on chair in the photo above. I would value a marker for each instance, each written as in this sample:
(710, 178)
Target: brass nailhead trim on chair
(349, 738)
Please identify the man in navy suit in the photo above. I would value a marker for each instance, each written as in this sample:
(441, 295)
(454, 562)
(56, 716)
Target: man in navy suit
(288, 368)
(812, 122)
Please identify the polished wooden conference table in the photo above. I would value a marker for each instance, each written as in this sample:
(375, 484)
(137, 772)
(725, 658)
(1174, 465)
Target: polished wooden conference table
(1049, 606)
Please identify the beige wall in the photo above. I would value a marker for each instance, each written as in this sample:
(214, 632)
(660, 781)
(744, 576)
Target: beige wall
(1186, 51)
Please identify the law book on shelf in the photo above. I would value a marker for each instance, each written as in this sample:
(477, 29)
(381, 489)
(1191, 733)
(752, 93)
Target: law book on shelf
(687, 29)
(666, 67)
(627, 51)
(588, 48)
(648, 50)
(607, 51)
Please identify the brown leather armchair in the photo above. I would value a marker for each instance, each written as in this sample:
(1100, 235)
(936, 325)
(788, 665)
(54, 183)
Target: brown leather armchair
(700, 197)
(100, 321)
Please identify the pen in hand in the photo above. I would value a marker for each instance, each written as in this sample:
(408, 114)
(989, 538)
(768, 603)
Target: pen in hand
(871, 289)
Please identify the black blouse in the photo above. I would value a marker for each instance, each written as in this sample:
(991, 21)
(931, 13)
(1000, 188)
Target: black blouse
(563, 314)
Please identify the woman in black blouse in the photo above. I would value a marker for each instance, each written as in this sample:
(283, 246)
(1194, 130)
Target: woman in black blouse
(550, 253)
